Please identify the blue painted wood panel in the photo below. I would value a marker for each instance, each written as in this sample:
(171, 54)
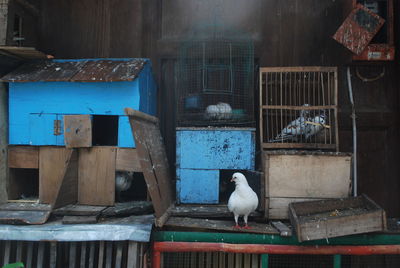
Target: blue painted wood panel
(41, 130)
(197, 186)
(148, 90)
(215, 149)
(125, 136)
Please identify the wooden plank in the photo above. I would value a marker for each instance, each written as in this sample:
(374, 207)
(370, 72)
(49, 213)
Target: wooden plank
(52, 166)
(153, 160)
(77, 131)
(314, 176)
(299, 108)
(53, 254)
(238, 260)
(279, 206)
(207, 224)
(18, 255)
(132, 257)
(127, 160)
(23, 157)
(79, 219)
(24, 206)
(72, 254)
(97, 176)
(118, 255)
(78, 210)
(204, 211)
(231, 259)
(128, 208)
(247, 260)
(67, 192)
(282, 228)
(24, 217)
(255, 261)
(286, 145)
(83, 254)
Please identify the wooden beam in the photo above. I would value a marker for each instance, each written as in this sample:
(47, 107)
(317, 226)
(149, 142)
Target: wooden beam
(3, 136)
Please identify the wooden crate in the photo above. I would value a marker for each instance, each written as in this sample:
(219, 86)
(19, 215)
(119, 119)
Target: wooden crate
(298, 108)
(296, 176)
(338, 217)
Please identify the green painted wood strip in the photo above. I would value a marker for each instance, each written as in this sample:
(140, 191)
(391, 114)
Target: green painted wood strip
(337, 261)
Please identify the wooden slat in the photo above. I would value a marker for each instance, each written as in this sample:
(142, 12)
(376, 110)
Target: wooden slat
(200, 224)
(97, 176)
(128, 208)
(282, 228)
(53, 162)
(77, 131)
(53, 255)
(247, 260)
(40, 255)
(92, 245)
(23, 206)
(23, 157)
(231, 260)
(101, 254)
(278, 207)
(286, 145)
(18, 255)
(204, 211)
(255, 261)
(7, 252)
(118, 255)
(127, 160)
(79, 210)
(298, 69)
(299, 108)
(79, 219)
(109, 256)
(24, 217)
(132, 254)
(153, 160)
(29, 254)
(83, 254)
(72, 254)
(238, 260)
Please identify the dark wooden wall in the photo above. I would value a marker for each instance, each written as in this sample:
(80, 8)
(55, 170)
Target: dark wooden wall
(285, 32)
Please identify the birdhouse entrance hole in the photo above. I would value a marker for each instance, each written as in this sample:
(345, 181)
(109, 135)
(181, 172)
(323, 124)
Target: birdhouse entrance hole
(23, 184)
(105, 130)
(130, 186)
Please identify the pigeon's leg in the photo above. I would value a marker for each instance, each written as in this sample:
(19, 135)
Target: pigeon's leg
(237, 226)
(245, 222)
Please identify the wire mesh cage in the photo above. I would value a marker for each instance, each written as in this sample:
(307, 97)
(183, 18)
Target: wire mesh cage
(215, 80)
(298, 108)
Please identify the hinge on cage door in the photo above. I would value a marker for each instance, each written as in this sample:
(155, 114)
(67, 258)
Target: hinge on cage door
(57, 127)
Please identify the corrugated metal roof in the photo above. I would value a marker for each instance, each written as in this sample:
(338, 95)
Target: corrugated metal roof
(87, 70)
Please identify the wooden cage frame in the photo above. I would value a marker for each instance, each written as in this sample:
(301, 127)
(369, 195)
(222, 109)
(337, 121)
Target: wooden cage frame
(264, 108)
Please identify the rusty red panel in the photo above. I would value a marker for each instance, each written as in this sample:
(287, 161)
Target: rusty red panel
(376, 52)
(358, 29)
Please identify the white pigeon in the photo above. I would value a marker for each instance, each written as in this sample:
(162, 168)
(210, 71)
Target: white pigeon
(295, 128)
(243, 200)
(316, 125)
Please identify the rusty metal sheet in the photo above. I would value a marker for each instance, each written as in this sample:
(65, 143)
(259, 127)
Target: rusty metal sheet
(47, 70)
(110, 70)
(96, 70)
(358, 29)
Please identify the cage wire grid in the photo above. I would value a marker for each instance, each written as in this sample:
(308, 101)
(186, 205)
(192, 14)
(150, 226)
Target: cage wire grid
(298, 108)
(238, 260)
(215, 79)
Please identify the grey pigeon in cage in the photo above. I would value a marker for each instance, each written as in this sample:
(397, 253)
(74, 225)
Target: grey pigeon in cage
(243, 200)
(295, 128)
(123, 181)
(315, 125)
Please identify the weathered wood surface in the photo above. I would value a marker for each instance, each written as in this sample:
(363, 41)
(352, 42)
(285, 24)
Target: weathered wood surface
(23, 157)
(78, 210)
(22, 206)
(128, 208)
(23, 217)
(127, 160)
(153, 160)
(77, 131)
(67, 192)
(53, 163)
(79, 219)
(207, 224)
(278, 207)
(331, 218)
(214, 211)
(97, 176)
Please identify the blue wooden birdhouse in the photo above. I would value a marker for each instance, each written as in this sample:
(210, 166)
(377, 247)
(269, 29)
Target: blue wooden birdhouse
(78, 103)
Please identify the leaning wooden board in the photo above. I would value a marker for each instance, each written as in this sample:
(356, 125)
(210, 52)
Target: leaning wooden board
(153, 161)
(336, 217)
